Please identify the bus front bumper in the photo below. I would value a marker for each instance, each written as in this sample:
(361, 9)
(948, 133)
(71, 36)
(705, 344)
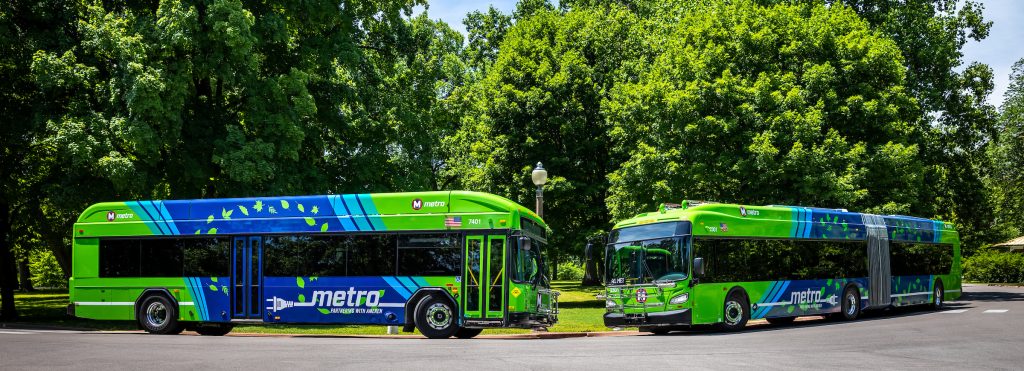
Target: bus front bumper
(670, 318)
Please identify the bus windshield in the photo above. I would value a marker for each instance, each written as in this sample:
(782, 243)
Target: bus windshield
(647, 254)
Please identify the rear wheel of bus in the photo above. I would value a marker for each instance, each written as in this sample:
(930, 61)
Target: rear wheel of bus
(158, 315)
(851, 304)
(736, 311)
(938, 296)
(436, 317)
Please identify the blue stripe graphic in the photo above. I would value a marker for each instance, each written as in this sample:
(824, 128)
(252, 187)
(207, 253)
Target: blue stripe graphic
(371, 210)
(365, 212)
(810, 223)
(150, 216)
(397, 286)
(343, 215)
(166, 215)
(352, 205)
(409, 284)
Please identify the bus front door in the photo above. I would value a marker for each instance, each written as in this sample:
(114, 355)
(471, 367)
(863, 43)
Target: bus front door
(247, 278)
(484, 277)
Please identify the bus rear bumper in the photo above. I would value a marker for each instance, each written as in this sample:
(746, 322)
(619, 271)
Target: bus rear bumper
(670, 318)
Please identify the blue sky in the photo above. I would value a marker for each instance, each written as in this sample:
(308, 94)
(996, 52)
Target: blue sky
(1000, 50)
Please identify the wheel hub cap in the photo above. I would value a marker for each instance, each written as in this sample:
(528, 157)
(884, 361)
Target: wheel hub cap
(733, 312)
(439, 316)
(156, 314)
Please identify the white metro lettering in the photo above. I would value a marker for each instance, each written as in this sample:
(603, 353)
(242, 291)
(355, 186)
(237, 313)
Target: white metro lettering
(349, 298)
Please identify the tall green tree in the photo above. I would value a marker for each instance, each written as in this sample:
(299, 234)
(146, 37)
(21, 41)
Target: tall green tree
(541, 102)
(183, 99)
(952, 102)
(790, 104)
(1007, 156)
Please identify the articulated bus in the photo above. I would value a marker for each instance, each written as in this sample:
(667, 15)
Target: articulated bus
(446, 263)
(707, 263)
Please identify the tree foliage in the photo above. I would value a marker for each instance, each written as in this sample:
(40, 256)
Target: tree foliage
(859, 104)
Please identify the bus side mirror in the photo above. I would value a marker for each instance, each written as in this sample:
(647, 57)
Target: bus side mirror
(698, 266)
(524, 243)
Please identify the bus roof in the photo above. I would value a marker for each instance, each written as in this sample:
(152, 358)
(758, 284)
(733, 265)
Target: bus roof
(441, 210)
(733, 220)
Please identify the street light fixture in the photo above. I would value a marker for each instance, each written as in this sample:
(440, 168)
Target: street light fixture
(540, 176)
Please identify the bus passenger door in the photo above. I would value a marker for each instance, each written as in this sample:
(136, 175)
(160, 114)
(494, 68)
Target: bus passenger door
(483, 277)
(247, 278)
(494, 286)
(472, 277)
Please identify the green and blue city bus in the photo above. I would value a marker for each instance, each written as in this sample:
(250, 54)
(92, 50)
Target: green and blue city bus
(709, 263)
(446, 263)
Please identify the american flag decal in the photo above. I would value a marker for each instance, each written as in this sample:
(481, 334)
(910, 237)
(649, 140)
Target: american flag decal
(453, 221)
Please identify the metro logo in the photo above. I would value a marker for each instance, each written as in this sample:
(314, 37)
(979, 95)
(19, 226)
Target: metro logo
(350, 298)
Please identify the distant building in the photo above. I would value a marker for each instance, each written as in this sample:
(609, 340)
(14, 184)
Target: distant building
(1014, 245)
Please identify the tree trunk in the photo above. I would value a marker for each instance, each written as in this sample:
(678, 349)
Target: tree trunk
(8, 276)
(25, 276)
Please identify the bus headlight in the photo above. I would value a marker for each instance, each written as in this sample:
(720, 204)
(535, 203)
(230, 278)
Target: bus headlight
(680, 299)
(610, 304)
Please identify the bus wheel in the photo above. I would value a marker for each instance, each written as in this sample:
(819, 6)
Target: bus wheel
(435, 318)
(851, 304)
(211, 329)
(736, 311)
(468, 333)
(780, 320)
(158, 316)
(937, 296)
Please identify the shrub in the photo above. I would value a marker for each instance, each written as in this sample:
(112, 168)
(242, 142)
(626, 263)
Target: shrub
(45, 270)
(995, 267)
(570, 271)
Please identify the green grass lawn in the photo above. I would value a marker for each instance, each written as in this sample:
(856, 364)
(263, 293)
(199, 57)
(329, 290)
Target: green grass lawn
(579, 312)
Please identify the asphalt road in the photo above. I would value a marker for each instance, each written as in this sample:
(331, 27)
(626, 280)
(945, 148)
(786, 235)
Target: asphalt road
(984, 330)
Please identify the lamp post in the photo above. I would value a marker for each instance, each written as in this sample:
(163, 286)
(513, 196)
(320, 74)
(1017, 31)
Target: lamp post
(540, 176)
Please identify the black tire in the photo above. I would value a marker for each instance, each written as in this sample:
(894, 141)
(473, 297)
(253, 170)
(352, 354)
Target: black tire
(436, 317)
(468, 333)
(850, 308)
(214, 329)
(158, 315)
(735, 311)
(780, 320)
(938, 296)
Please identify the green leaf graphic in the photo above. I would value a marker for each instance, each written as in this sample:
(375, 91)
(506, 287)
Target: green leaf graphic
(284, 204)
(213, 279)
(299, 281)
(302, 209)
(209, 219)
(244, 210)
(323, 310)
(225, 289)
(302, 298)
(213, 288)
(258, 206)
(212, 231)
(226, 214)
(323, 228)
(315, 210)
(198, 231)
(310, 221)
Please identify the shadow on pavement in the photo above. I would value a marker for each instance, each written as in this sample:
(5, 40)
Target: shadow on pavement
(992, 296)
(815, 321)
